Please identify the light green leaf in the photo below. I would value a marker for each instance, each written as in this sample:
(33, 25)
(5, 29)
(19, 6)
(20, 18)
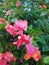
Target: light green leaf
(46, 60)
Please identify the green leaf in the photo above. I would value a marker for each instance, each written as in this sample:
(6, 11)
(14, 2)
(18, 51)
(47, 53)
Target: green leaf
(40, 63)
(35, 43)
(45, 48)
(46, 60)
(13, 20)
(38, 39)
(2, 26)
(43, 14)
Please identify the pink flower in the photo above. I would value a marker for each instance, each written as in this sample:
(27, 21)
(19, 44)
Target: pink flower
(23, 39)
(4, 62)
(21, 25)
(6, 58)
(8, 12)
(28, 39)
(18, 27)
(9, 56)
(1, 20)
(18, 4)
(19, 42)
(32, 52)
(9, 28)
(30, 48)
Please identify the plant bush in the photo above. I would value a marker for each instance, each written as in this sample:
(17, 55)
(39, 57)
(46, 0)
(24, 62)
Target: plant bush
(34, 18)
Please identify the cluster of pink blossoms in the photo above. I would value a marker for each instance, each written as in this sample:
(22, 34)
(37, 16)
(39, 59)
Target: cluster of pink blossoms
(17, 29)
(6, 58)
(23, 39)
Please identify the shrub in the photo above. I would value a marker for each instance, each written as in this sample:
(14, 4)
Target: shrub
(24, 32)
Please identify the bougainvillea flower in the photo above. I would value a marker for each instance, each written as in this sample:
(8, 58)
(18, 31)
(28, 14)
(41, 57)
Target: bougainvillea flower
(9, 56)
(9, 28)
(6, 58)
(8, 12)
(21, 25)
(4, 62)
(28, 39)
(23, 39)
(1, 20)
(32, 52)
(18, 4)
(17, 29)
(19, 42)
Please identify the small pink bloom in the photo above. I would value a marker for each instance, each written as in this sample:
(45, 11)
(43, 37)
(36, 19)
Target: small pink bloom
(23, 39)
(3, 62)
(1, 20)
(32, 52)
(6, 58)
(28, 39)
(9, 56)
(18, 43)
(18, 4)
(8, 12)
(9, 28)
(18, 27)
(30, 48)
(21, 25)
